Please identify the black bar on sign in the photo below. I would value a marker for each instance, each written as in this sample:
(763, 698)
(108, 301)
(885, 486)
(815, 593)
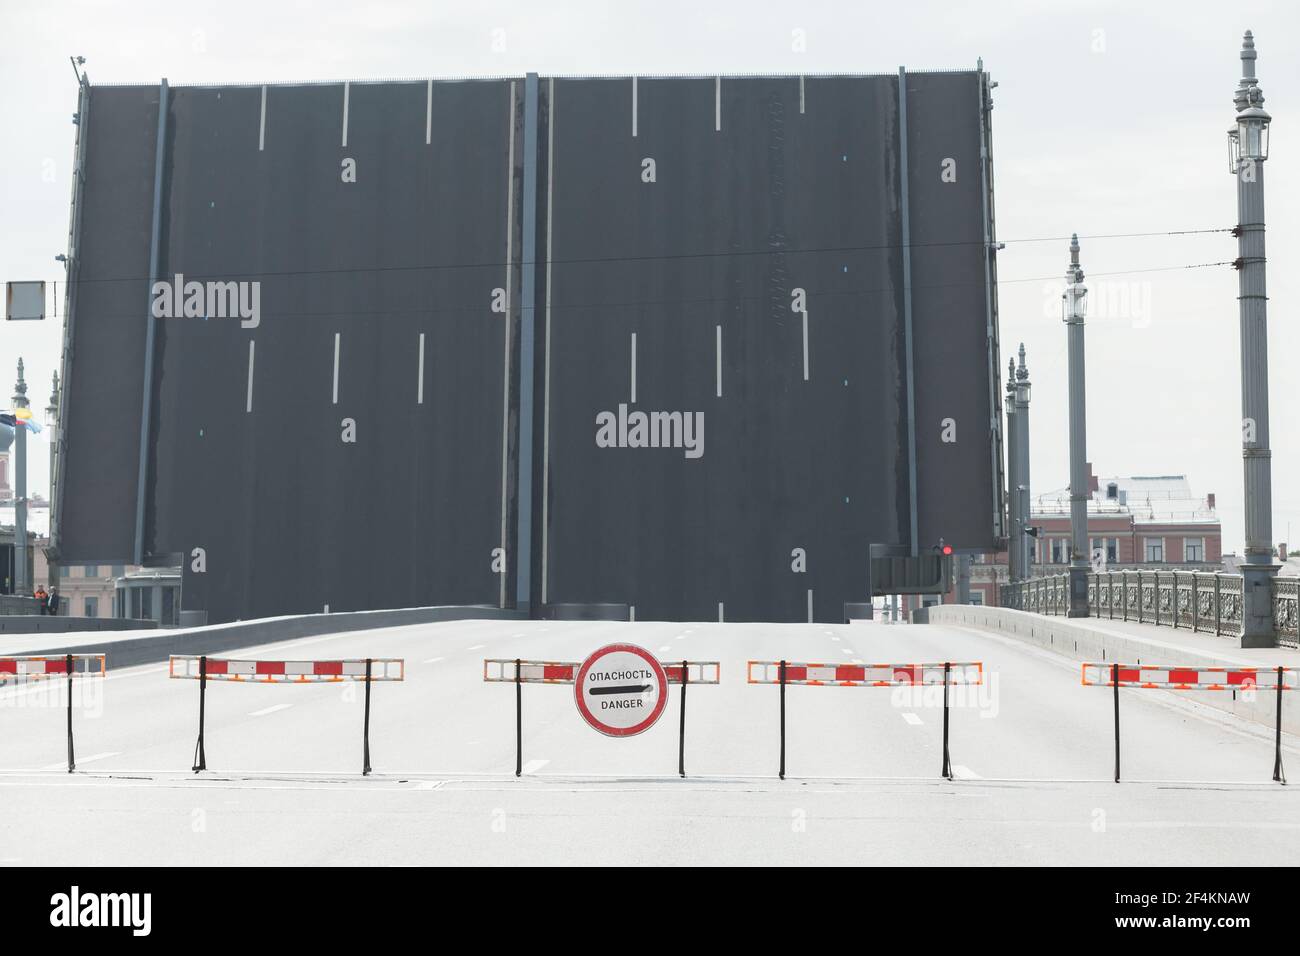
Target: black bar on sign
(72, 764)
(625, 689)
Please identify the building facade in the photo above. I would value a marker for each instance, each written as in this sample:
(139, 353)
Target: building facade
(1148, 522)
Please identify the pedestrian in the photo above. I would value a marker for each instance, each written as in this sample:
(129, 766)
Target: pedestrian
(53, 601)
(41, 598)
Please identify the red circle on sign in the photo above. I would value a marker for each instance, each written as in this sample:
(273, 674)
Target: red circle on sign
(656, 668)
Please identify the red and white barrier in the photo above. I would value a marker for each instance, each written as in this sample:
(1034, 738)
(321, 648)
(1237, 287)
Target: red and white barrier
(66, 667)
(941, 673)
(866, 675)
(204, 669)
(1164, 677)
(683, 673)
(286, 672)
(35, 668)
(566, 672)
(1172, 677)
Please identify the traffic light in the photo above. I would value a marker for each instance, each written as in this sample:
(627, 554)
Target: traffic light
(944, 549)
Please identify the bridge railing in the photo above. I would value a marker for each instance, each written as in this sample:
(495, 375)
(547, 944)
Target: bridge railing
(1199, 601)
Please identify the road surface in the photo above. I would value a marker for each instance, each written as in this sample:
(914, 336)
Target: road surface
(1032, 751)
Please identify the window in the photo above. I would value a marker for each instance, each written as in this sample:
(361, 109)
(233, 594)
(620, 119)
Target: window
(1112, 491)
(1060, 550)
(90, 607)
(977, 597)
(1193, 549)
(118, 570)
(1107, 546)
(1154, 550)
(92, 570)
(64, 570)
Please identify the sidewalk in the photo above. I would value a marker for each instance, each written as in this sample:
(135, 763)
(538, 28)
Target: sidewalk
(1126, 642)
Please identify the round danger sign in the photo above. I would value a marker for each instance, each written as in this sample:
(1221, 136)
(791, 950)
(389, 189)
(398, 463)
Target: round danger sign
(621, 690)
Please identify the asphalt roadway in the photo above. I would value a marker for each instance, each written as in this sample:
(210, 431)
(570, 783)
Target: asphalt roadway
(1032, 751)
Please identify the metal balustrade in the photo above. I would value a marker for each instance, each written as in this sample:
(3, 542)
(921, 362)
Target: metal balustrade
(1208, 602)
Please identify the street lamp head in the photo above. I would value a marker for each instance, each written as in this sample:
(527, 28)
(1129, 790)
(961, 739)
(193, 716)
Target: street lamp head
(1074, 301)
(1248, 138)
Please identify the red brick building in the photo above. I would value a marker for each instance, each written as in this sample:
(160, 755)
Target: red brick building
(1142, 521)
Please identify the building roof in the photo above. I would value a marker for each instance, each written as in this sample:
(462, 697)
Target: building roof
(38, 520)
(1159, 499)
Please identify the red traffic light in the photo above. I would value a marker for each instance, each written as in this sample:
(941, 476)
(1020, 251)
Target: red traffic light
(947, 549)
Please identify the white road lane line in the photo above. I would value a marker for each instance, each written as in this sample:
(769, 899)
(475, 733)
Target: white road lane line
(419, 380)
(633, 401)
(846, 650)
(434, 660)
(261, 128)
(913, 719)
(721, 618)
(476, 647)
(428, 116)
(63, 765)
(336, 367)
(834, 638)
(801, 94)
(717, 104)
(810, 606)
(533, 766)
(665, 648)
(347, 92)
(248, 400)
(269, 710)
(718, 350)
(634, 107)
(805, 344)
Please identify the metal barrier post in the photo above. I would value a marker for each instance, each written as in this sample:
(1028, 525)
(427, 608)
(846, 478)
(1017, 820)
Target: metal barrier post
(519, 720)
(72, 764)
(681, 734)
(947, 766)
(781, 672)
(365, 734)
(1278, 775)
(201, 759)
(1114, 679)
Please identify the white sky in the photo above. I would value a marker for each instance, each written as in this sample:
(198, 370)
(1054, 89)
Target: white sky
(1110, 118)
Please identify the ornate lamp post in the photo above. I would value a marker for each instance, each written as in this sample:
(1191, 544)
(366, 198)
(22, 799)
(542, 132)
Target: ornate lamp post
(1248, 149)
(1073, 306)
(1024, 539)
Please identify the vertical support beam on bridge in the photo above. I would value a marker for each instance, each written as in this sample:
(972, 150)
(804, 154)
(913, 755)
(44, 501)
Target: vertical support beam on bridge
(527, 327)
(146, 408)
(907, 307)
(1248, 140)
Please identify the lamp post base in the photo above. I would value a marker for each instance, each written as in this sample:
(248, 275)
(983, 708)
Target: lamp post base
(1078, 593)
(1257, 605)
